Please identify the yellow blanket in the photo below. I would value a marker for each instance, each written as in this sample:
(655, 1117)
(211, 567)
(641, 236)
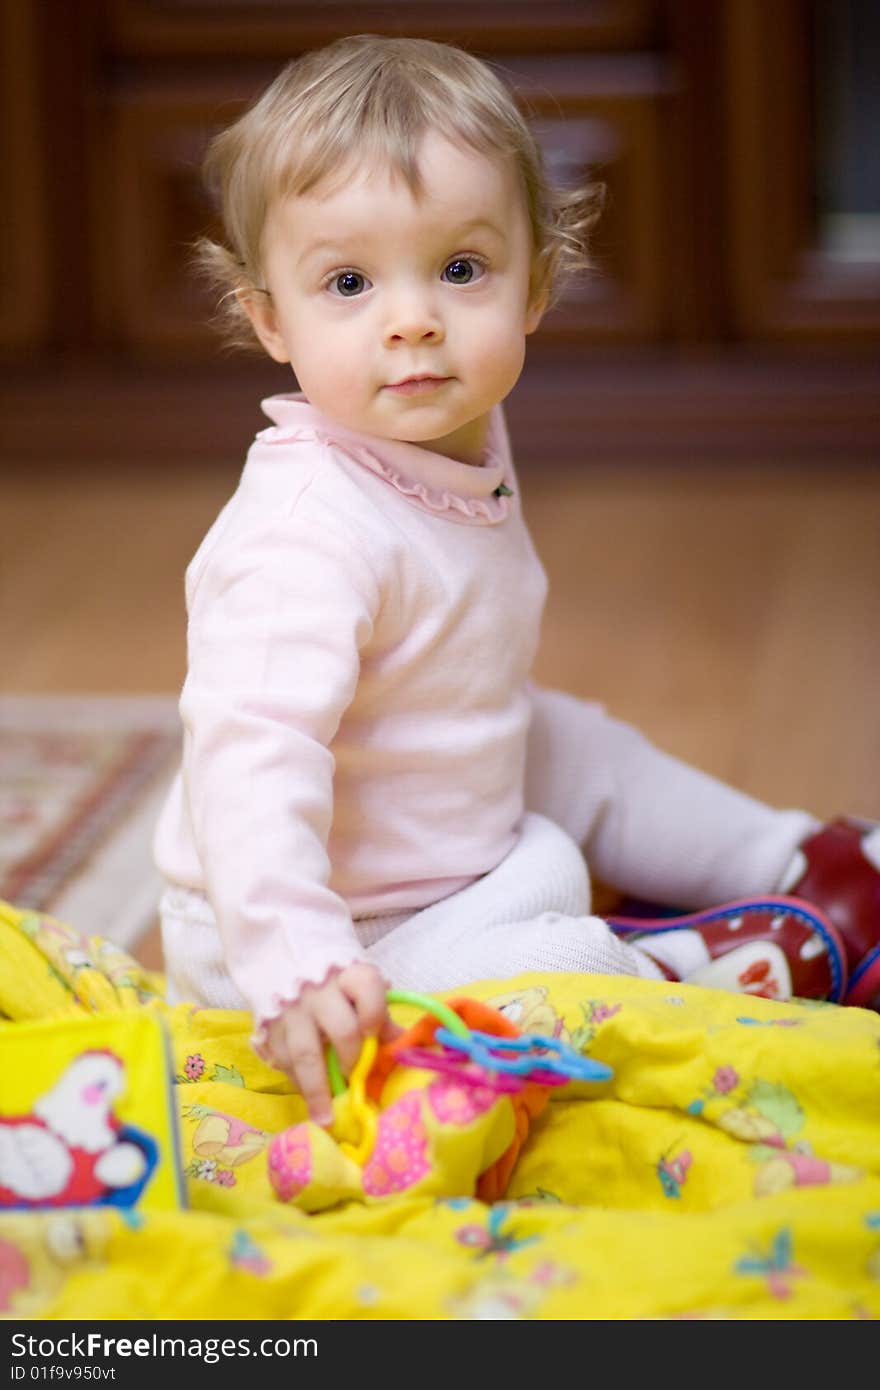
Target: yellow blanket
(729, 1169)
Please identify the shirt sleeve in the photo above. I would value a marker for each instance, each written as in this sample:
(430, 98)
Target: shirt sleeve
(278, 619)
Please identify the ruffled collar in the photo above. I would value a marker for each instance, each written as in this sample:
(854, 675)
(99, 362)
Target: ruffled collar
(458, 491)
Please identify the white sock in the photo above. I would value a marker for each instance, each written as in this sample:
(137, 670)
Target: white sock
(682, 951)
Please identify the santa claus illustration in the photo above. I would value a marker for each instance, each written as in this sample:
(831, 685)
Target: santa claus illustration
(71, 1150)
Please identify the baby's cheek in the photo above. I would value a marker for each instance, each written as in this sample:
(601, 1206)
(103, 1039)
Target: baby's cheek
(332, 375)
(498, 356)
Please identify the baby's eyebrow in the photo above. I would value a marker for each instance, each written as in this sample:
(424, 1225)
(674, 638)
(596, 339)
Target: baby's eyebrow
(343, 250)
(320, 248)
(478, 224)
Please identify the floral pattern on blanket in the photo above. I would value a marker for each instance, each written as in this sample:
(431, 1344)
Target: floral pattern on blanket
(730, 1169)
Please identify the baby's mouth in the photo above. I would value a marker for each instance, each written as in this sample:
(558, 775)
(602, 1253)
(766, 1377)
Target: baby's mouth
(417, 385)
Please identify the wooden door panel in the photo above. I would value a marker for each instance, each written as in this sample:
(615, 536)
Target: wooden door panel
(782, 285)
(151, 208)
(24, 266)
(606, 118)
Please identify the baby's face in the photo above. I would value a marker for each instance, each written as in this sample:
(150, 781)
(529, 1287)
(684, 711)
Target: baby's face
(401, 317)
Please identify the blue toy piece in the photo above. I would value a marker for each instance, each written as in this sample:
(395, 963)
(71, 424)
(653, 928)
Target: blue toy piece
(529, 1060)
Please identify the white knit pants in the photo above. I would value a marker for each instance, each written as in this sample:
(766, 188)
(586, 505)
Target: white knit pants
(650, 825)
(647, 823)
(530, 913)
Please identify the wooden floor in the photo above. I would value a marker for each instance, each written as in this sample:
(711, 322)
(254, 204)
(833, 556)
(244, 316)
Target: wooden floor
(733, 612)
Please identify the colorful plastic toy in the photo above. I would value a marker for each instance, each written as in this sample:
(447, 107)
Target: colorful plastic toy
(443, 1110)
(530, 1060)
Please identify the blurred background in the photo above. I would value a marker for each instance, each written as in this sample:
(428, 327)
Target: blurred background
(696, 429)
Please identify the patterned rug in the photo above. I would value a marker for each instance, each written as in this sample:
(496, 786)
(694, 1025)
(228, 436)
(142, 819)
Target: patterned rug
(81, 782)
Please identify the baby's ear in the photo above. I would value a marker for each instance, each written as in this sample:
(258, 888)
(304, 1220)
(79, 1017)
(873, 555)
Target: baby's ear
(539, 292)
(536, 310)
(258, 306)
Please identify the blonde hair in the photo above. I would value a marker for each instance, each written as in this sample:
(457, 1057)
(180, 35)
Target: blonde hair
(375, 96)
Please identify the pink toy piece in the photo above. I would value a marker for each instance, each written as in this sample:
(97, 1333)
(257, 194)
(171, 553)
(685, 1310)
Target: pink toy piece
(454, 1064)
(400, 1155)
(290, 1161)
(455, 1104)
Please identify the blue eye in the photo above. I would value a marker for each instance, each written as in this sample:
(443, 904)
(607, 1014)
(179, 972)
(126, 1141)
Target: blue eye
(348, 284)
(462, 271)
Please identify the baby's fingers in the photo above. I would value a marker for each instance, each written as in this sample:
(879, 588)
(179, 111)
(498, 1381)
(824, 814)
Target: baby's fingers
(338, 1021)
(367, 991)
(305, 1061)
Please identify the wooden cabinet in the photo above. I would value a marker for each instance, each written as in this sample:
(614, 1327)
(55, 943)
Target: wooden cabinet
(152, 141)
(699, 115)
(24, 271)
(785, 285)
(142, 84)
(592, 75)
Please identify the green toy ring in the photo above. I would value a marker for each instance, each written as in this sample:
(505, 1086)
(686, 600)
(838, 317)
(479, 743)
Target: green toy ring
(442, 1012)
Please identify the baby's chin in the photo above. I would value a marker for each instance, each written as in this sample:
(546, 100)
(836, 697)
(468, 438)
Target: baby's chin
(408, 428)
(418, 428)
(438, 430)
(424, 425)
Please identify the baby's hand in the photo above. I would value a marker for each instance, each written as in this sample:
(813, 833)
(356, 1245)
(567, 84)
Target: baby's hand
(347, 1008)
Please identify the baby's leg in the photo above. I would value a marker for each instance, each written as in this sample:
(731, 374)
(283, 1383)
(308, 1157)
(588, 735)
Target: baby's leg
(649, 824)
(530, 913)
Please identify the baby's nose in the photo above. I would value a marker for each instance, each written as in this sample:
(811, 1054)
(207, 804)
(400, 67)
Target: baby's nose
(413, 319)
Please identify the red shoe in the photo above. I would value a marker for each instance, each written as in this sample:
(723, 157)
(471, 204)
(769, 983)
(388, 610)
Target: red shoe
(838, 871)
(778, 947)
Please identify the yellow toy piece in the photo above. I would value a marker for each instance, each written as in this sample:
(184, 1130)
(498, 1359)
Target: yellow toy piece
(363, 1112)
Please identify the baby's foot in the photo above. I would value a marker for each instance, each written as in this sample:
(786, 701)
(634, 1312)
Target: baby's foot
(776, 946)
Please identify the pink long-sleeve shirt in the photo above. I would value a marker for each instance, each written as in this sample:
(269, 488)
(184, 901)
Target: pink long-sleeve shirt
(363, 615)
